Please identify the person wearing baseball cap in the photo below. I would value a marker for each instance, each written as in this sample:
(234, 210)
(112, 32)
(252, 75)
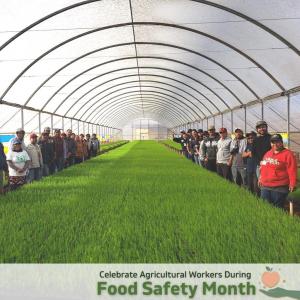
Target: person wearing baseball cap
(250, 163)
(36, 164)
(182, 140)
(223, 154)
(193, 147)
(20, 133)
(59, 151)
(261, 144)
(47, 150)
(209, 149)
(47, 130)
(278, 172)
(237, 148)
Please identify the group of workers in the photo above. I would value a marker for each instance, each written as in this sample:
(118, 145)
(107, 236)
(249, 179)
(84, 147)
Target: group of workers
(258, 161)
(44, 155)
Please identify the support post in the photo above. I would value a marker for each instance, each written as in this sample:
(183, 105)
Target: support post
(40, 123)
(288, 119)
(22, 118)
(245, 116)
(51, 121)
(231, 112)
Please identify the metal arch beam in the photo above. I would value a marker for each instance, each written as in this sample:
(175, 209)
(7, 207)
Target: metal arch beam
(155, 92)
(153, 115)
(138, 112)
(232, 11)
(132, 75)
(160, 89)
(141, 43)
(142, 24)
(134, 115)
(128, 58)
(168, 104)
(156, 95)
(167, 115)
(128, 82)
(253, 21)
(156, 68)
(155, 87)
(140, 81)
(162, 96)
(138, 57)
(111, 114)
(173, 108)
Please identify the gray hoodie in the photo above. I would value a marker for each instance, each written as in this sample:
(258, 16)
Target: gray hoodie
(223, 154)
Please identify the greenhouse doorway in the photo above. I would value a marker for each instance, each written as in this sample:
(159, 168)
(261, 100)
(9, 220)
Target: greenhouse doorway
(144, 129)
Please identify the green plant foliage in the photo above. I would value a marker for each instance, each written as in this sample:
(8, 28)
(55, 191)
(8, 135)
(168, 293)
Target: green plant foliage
(172, 144)
(142, 203)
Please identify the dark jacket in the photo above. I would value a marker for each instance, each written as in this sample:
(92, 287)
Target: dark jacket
(47, 150)
(58, 144)
(3, 163)
(182, 141)
(71, 146)
(261, 145)
(209, 148)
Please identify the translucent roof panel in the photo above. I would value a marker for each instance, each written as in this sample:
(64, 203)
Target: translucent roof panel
(181, 60)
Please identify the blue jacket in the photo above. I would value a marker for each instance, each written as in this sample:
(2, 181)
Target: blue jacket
(3, 163)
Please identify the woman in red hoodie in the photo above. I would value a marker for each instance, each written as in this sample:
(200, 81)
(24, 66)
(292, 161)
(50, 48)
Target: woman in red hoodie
(278, 174)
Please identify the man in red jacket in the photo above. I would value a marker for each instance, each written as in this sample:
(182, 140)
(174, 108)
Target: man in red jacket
(278, 173)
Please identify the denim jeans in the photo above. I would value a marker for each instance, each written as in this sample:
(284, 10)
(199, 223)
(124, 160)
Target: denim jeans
(34, 174)
(257, 172)
(274, 197)
(46, 170)
(223, 170)
(239, 172)
(197, 160)
(59, 164)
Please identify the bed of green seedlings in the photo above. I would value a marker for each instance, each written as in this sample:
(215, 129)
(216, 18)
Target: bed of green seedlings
(142, 203)
(108, 146)
(172, 144)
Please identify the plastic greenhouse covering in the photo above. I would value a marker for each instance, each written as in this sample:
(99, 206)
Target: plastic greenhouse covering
(105, 64)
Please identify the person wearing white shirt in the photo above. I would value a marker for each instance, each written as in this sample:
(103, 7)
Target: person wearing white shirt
(237, 148)
(18, 162)
(36, 163)
(223, 154)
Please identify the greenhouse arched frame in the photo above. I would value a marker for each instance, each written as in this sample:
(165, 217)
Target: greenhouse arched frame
(78, 64)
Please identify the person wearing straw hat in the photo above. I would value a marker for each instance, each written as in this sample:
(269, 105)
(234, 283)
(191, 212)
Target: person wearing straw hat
(278, 173)
(20, 133)
(18, 162)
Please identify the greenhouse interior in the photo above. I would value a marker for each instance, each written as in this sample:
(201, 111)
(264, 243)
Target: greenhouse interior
(126, 84)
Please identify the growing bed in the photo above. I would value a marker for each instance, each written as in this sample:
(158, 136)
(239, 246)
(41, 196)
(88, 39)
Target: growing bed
(143, 203)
